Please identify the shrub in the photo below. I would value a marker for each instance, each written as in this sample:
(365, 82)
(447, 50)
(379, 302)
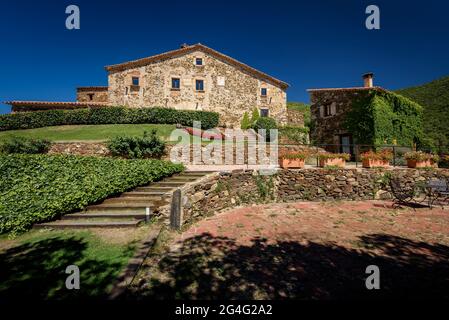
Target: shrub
(107, 115)
(246, 123)
(25, 145)
(344, 156)
(266, 123)
(421, 156)
(37, 188)
(148, 146)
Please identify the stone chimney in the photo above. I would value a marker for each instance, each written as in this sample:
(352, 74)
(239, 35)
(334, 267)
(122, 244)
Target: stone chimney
(368, 80)
(184, 45)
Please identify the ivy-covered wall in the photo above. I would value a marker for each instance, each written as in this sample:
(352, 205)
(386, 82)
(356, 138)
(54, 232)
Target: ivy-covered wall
(372, 116)
(382, 117)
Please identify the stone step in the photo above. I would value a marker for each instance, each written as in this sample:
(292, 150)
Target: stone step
(135, 200)
(181, 179)
(145, 194)
(105, 214)
(196, 173)
(121, 206)
(153, 189)
(168, 184)
(87, 223)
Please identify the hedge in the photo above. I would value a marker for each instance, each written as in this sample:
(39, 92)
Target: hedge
(107, 115)
(37, 188)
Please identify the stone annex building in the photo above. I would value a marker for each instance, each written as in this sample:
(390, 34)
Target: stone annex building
(193, 77)
(329, 107)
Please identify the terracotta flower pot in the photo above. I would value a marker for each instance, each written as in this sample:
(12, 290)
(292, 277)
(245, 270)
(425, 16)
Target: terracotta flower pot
(338, 162)
(292, 163)
(370, 163)
(420, 164)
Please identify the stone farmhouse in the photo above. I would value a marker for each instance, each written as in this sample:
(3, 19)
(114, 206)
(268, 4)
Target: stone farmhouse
(193, 77)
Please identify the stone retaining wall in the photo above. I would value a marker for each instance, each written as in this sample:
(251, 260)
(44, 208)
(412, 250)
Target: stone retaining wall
(79, 148)
(221, 191)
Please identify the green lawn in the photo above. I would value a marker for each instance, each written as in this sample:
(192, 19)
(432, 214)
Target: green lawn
(89, 132)
(33, 265)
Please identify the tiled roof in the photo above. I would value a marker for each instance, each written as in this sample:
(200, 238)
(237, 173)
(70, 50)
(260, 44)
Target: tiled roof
(53, 104)
(92, 88)
(192, 48)
(348, 89)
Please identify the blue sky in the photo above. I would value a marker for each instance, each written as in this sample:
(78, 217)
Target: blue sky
(308, 44)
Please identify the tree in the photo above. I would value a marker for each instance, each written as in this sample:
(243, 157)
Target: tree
(246, 123)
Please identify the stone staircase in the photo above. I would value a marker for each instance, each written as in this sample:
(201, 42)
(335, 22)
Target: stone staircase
(127, 210)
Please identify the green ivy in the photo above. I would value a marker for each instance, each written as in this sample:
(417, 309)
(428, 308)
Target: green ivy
(37, 188)
(379, 118)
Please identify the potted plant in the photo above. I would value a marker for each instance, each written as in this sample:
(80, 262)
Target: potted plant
(371, 159)
(293, 160)
(419, 159)
(333, 159)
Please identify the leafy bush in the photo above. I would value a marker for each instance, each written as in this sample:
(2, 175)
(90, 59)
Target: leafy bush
(246, 123)
(107, 115)
(37, 188)
(266, 123)
(25, 145)
(148, 146)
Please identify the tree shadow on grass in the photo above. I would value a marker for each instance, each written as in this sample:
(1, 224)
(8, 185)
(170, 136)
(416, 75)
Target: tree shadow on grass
(208, 267)
(37, 270)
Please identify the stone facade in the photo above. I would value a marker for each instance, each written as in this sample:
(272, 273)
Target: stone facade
(92, 94)
(228, 88)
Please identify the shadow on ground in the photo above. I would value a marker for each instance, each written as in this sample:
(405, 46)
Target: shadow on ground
(37, 270)
(209, 267)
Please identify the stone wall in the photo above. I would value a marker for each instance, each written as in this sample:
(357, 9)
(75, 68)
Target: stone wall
(79, 148)
(295, 117)
(221, 191)
(92, 94)
(228, 90)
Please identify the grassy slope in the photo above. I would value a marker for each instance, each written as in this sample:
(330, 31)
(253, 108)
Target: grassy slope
(434, 97)
(89, 132)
